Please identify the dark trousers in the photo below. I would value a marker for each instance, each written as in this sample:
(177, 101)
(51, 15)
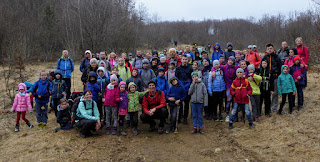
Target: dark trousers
(291, 100)
(86, 125)
(161, 114)
(185, 111)
(55, 103)
(173, 115)
(265, 97)
(300, 95)
(121, 120)
(206, 108)
(101, 109)
(217, 100)
(133, 119)
(68, 82)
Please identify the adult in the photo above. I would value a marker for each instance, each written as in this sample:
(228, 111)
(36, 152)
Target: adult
(126, 61)
(173, 58)
(124, 71)
(103, 57)
(209, 48)
(89, 115)
(154, 107)
(92, 67)
(155, 65)
(154, 53)
(283, 52)
(86, 61)
(255, 49)
(113, 59)
(130, 58)
(188, 51)
(137, 61)
(216, 52)
(97, 56)
(253, 58)
(65, 65)
(229, 52)
(303, 51)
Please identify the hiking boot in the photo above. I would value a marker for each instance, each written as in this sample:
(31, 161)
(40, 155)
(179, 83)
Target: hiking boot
(107, 130)
(135, 131)
(82, 135)
(227, 118)
(185, 121)
(44, 125)
(160, 130)
(168, 130)
(194, 131)
(114, 131)
(230, 126)
(40, 125)
(152, 128)
(251, 125)
(30, 125)
(122, 132)
(16, 129)
(201, 131)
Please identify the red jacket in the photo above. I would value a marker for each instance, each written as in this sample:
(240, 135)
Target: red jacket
(178, 59)
(303, 53)
(240, 88)
(127, 64)
(158, 102)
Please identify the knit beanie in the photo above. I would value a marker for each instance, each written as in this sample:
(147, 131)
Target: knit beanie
(232, 58)
(162, 58)
(251, 67)
(239, 70)
(113, 77)
(238, 53)
(194, 73)
(295, 58)
(122, 83)
(94, 60)
(216, 62)
(145, 61)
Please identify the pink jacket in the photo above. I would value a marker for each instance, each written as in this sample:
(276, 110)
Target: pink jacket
(112, 95)
(22, 103)
(303, 53)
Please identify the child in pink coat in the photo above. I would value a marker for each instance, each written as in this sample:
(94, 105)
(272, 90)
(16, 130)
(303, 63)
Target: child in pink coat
(21, 105)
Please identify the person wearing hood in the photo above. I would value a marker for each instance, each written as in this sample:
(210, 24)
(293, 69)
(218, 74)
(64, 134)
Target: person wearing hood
(229, 51)
(137, 61)
(123, 106)
(93, 67)
(299, 75)
(124, 71)
(175, 97)
(93, 86)
(21, 105)
(59, 88)
(216, 52)
(161, 82)
(173, 57)
(42, 89)
(146, 74)
(205, 77)
(171, 72)
(155, 65)
(103, 65)
(155, 53)
(86, 61)
(103, 57)
(65, 64)
(286, 87)
(114, 71)
(64, 115)
(253, 58)
(163, 64)
(283, 52)
(101, 79)
(254, 80)
(126, 61)
(136, 79)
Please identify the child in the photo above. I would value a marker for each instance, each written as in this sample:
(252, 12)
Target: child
(155, 65)
(161, 82)
(21, 104)
(176, 95)
(199, 98)
(136, 79)
(123, 106)
(93, 86)
(289, 61)
(64, 115)
(298, 73)
(243, 65)
(171, 72)
(146, 73)
(286, 87)
(41, 91)
(106, 72)
(134, 106)
(205, 77)
(240, 90)
(195, 68)
(254, 81)
(216, 90)
(114, 71)
(59, 88)
(163, 63)
(238, 58)
(222, 60)
(266, 87)
(111, 100)
(101, 78)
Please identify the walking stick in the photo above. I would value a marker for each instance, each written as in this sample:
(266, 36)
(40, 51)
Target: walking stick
(176, 129)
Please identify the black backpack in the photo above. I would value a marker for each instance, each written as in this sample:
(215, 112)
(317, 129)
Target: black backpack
(75, 108)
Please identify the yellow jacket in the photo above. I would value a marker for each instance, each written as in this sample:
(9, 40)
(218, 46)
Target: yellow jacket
(255, 84)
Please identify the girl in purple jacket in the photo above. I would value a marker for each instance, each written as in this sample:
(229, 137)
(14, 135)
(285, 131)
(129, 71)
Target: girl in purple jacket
(123, 106)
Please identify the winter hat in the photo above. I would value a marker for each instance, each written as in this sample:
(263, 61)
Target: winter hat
(113, 77)
(21, 86)
(162, 55)
(251, 67)
(188, 55)
(88, 51)
(145, 61)
(154, 58)
(162, 58)
(229, 44)
(130, 54)
(232, 58)
(94, 60)
(161, 69)
(194, 73)
(122, 83)
(221, 56)
(173, 78)
(295, 58)
(154, 52)
(240, 70)
(254, 46)
(250, 46)
(216, 62)
(238, 53)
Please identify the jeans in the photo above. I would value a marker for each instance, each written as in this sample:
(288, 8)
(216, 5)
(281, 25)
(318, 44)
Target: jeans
(68, 82)
(114, 112)
(265, 96)
(133, 119)
(161, 114)
(255, 103)
(86, 125)
(228, 100)
(235, 111)
(197, 109)
(300, 95)
(42, 115)
(274, 105)
(291, 101)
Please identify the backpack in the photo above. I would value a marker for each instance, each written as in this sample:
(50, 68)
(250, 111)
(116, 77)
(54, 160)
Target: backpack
(36, 88)
(75, 106)
(149, 70)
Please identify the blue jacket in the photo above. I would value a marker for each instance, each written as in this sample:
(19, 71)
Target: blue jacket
(216, 84)
(161, 84)
(58, 86)
(42, 88)
(178, 92)
(216, 54)
(94, 87)
(84, 64)
(183, 73)
(66, 67)
(228, 53)
(101, 79)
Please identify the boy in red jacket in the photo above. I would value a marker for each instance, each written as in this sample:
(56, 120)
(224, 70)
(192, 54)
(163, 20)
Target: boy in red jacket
(240, 90)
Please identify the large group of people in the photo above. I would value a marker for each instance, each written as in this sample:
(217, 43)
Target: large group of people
(117, 87)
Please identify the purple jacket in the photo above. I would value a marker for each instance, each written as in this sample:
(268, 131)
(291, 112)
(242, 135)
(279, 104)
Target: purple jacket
(229, 74)
(123, 105)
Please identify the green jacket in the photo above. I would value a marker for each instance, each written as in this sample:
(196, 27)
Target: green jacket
(86, 112)
(133, 99)
(286, 82)
(124, 72)
(255, 84)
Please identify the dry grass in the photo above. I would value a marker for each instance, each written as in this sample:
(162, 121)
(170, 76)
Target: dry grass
(292, 137)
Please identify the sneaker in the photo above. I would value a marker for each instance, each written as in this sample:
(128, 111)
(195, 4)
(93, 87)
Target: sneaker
(122, 132)
(16, 129)
(168, 130)
(30, 125)
(185, 121)
(114, 131)
(135, 131)
(194, 131)
(230, 126)
(251, 125)
(152, 128)
(227, 118)
(44, 125)
(107, 130)
(201, 131)
(160, 130)
(40, 125)
(176, 130)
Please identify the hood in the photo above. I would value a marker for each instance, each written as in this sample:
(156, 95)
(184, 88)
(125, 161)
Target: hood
(104, 58)
(175, 79)
(102, 62)
(57, 72)
(131, 84)
(283, 67)
(22, 86)
(102, 69)
(217, 44)
(206, 58)
(229, 44)
(137, 70)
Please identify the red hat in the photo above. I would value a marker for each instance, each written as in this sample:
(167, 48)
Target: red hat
(296, 58)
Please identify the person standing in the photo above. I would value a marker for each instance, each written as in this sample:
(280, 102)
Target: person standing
(66, 66)
(283, 52)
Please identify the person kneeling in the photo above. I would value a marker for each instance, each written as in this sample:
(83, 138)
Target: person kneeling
(64, 116)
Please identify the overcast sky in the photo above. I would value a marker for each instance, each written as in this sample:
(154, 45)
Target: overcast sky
(221, 9)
